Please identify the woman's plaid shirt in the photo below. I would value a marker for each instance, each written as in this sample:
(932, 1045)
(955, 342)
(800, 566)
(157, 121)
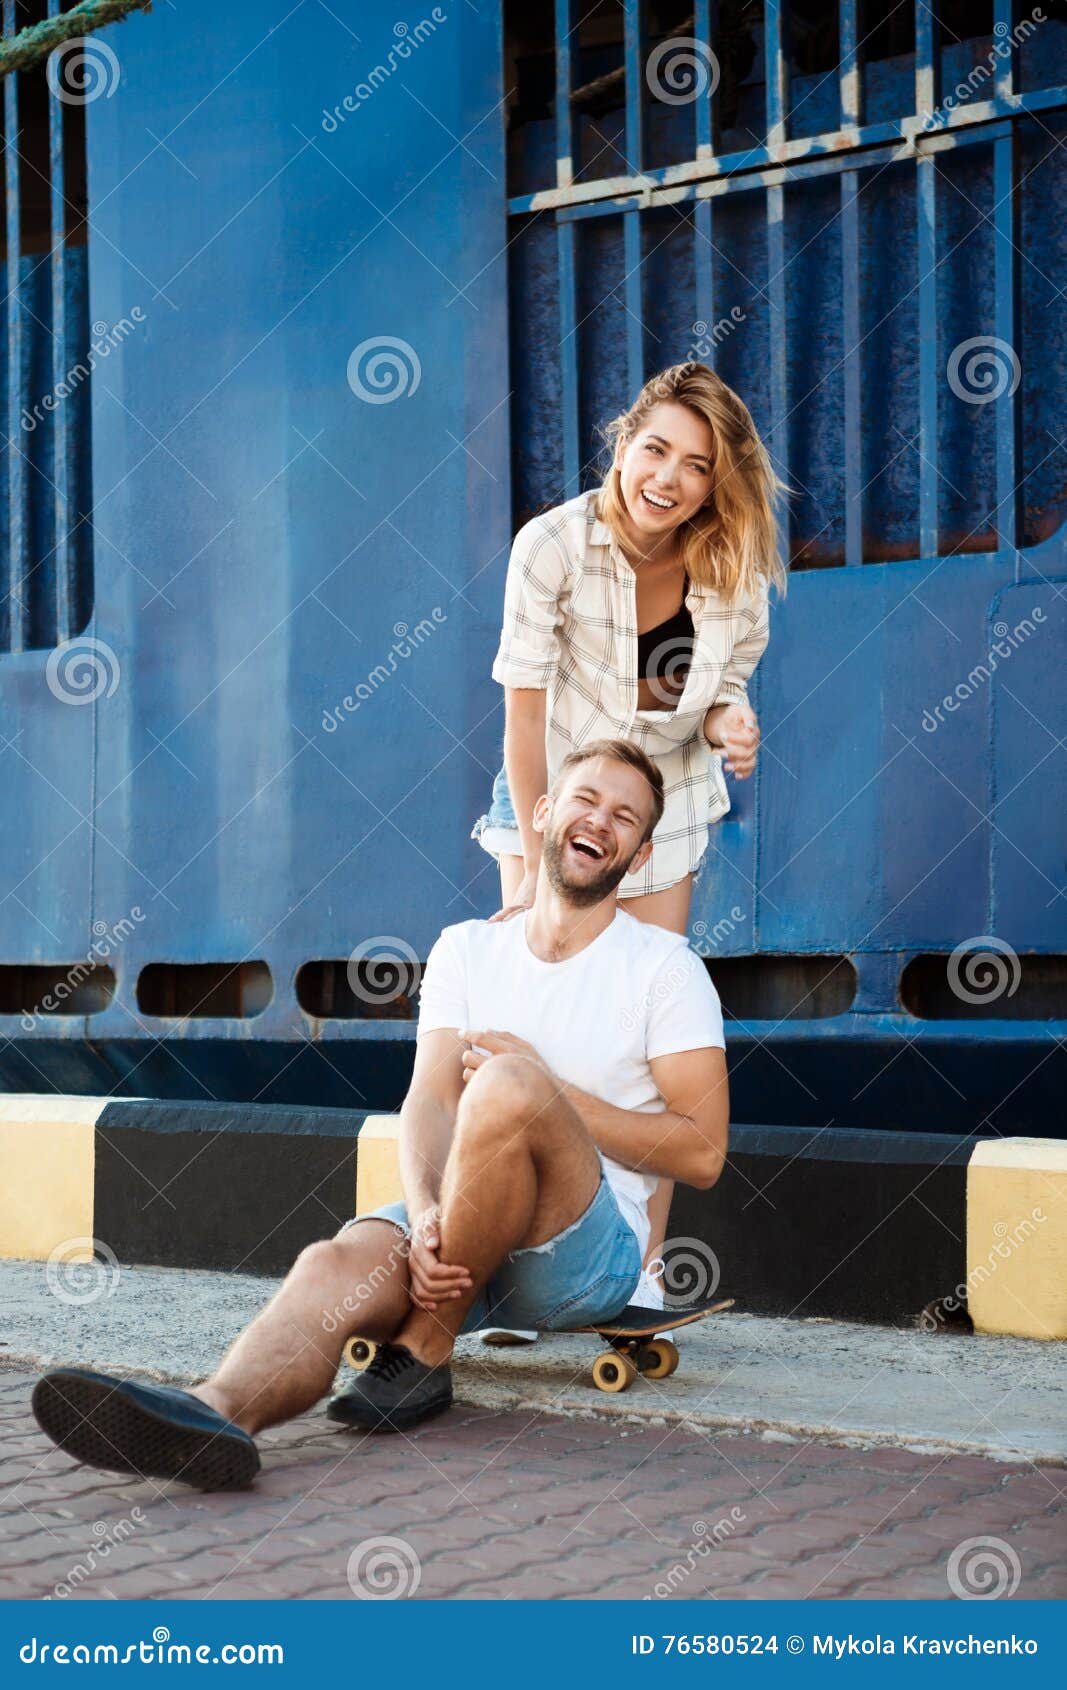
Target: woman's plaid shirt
(570, 626)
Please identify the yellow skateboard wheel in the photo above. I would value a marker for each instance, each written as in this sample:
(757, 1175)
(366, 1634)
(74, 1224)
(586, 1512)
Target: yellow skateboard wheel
(360, 1352)
(614, 1371)
(659, 1359)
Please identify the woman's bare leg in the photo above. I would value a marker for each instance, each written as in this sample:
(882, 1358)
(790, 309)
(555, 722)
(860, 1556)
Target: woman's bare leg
(669, 909)
(511, 873)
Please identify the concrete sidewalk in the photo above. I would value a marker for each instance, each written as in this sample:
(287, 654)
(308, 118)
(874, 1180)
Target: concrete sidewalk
(739, 1374)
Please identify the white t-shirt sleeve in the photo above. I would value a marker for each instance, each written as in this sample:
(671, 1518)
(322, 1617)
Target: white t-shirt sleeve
(684, 1010)
(443, 993)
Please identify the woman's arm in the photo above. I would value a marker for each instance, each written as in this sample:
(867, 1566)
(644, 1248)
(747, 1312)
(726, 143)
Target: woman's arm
(526, 765)
(525, 665)
(730, 725)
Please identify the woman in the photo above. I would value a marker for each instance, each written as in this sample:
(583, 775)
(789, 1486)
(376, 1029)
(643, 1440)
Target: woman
(638, 610)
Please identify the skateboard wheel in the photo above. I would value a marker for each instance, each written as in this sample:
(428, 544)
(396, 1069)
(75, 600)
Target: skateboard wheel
(659, 1359)
(614, 1371)
(360, 1352)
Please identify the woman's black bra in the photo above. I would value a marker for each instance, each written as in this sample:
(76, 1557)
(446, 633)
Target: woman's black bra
(666, 651)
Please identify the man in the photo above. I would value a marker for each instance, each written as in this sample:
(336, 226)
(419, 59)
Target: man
(565, 1060)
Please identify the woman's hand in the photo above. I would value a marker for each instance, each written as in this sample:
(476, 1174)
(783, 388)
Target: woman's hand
(733, 730)
(523, 899)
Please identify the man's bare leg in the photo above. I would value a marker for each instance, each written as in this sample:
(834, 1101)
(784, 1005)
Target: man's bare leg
(521, 1168)
(286, 1360)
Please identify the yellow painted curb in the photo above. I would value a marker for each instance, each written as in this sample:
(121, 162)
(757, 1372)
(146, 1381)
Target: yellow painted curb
(378, 1163)
(48, 1154)
(1017, 1237)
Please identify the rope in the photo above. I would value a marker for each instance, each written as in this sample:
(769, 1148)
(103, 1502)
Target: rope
(37, 40)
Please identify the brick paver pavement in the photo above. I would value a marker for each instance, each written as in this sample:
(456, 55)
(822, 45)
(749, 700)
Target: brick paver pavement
(526, 1505)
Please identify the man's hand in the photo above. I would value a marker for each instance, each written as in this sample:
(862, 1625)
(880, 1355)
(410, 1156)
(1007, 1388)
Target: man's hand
(495, 1044)
(432, 1282)
(734, 730)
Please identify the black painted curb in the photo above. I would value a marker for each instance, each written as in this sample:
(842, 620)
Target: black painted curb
(854, 1225)
(846, 1224)
(243, 1186)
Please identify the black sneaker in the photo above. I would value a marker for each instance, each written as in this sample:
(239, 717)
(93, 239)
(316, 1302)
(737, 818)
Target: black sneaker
(394, 1393)
(154, 1431)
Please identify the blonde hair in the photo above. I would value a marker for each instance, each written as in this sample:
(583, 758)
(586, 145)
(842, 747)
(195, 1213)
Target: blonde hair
(732, 544)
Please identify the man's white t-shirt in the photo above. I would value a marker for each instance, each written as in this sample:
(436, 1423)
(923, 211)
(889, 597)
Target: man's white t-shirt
(597, 1018)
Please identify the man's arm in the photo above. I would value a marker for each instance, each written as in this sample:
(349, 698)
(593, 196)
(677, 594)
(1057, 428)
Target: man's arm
(687, 1140)
(428, 1117)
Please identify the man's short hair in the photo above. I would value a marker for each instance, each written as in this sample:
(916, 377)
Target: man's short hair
(623, 751)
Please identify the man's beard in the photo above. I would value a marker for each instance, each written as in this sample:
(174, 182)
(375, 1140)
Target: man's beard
(583, 894)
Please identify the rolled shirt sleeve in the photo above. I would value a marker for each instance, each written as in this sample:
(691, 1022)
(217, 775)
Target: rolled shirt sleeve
(534, 608)
(747, 650)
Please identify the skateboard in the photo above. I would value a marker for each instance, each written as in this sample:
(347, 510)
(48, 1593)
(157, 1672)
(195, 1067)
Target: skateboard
(634, 1336)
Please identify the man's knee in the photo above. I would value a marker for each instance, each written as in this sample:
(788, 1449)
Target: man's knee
(319, 1263)
(348, 1276)
(369, 1252)
(507, 1091)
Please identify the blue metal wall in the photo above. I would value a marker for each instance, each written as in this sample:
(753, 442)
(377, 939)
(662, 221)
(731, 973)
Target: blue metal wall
(263, 537)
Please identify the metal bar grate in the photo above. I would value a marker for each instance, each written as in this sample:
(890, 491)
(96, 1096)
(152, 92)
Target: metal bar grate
(634, 44)
(14, 607)
(850, 88)
(46, 562)
(848, 136)
(62, 452)
(926, 101)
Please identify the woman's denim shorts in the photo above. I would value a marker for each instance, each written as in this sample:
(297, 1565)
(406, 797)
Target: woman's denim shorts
(498, 831)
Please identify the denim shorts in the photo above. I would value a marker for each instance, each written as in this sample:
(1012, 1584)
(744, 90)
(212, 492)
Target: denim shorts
(498, 831)
(588, 1272)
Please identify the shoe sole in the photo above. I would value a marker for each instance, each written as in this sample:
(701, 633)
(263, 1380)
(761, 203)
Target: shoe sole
(366, 1419)
(98, 1424)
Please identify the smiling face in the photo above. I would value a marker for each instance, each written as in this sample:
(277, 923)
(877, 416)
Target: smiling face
(665, 471)
(594, 829)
